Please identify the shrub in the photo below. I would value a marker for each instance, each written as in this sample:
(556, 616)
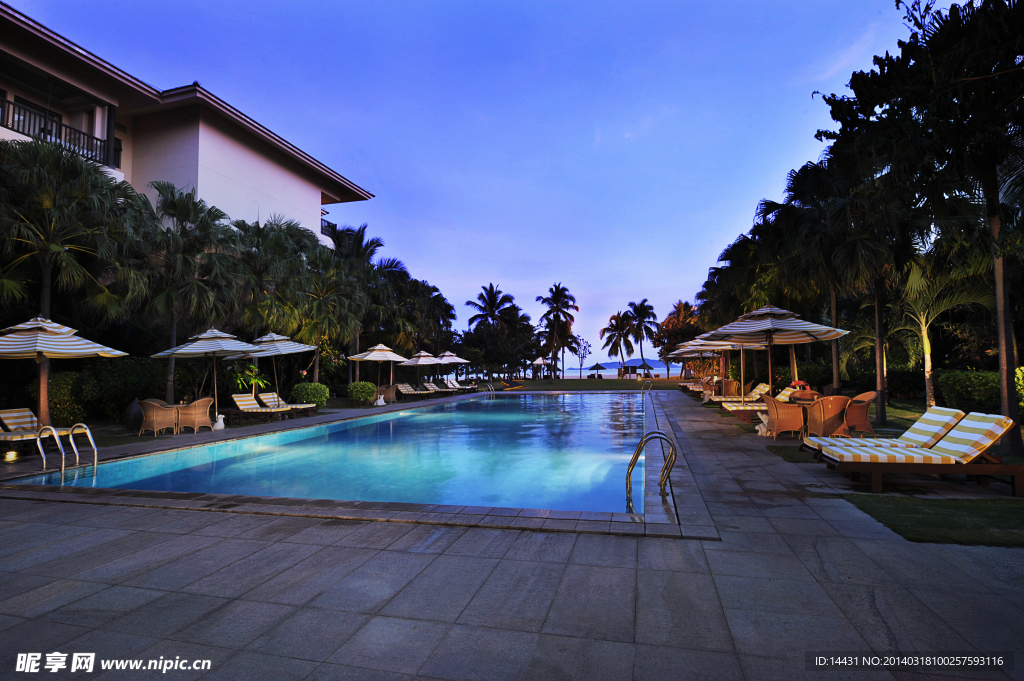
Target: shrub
(70, 394)
(970, 390)
(361, 392)
(905, 383)
(310, 393)
(120, 382)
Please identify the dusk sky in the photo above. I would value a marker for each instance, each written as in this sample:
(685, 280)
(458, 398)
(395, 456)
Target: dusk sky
(616, 148)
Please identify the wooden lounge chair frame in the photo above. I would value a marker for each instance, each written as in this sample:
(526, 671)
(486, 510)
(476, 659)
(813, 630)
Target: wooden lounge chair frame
(982, 470)
(429, 385)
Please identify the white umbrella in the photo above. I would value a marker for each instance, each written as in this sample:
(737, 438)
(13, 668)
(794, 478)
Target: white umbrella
(211, 343)
(420, 359)
(39, 338)
(378, 354)
(448, 357)
(771, 326)
(273, 345)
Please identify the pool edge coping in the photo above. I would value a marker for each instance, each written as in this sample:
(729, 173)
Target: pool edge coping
(471, 516)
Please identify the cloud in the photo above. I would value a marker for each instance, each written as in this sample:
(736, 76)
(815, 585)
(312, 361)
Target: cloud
(853, 58)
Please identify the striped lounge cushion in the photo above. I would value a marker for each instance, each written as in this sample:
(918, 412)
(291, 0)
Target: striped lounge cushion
(972, 436)
(852, 453)
(925, 432)
(18, 437)
(784, 395)
(737, 406)
(248, 403)
(19, 419)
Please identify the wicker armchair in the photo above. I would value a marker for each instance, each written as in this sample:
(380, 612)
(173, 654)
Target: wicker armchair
(784, 417)
(154, 400)
(730, 388)
(825, 416)
(195, 415)
(156, 417)
(390, 393)
(858, 421)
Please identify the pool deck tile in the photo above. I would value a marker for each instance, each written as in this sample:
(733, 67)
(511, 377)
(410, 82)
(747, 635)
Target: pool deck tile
(259, 580)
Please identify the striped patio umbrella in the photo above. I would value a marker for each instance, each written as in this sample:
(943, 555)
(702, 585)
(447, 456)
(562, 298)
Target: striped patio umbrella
(211, 343)
(272, 345)
(39, 338)
(771, 326)
(448, 357)
(422, 358)
(698, 348)
(378, 354)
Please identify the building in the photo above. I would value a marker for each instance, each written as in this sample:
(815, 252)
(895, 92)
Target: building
(51, 88)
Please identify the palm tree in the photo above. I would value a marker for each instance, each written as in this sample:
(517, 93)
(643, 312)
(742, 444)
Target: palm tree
(619, 342)
(194, 267)
(930, 292)
(270, 253)
(560, 304)
(643, 324)
(326, 298)
(489, 305)
(63, 220)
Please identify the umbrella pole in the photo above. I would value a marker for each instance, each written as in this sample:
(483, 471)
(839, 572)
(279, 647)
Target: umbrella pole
(216, 408)
(277, 387)
(771, 379)
(743, 399)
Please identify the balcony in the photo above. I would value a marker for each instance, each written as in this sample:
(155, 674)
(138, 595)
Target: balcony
(41, 126)
(326, 226)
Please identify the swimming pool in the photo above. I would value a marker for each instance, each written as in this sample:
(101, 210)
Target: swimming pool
(562, 452)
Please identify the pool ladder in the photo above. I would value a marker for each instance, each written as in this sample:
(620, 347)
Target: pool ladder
(670, 462)
(46, 431)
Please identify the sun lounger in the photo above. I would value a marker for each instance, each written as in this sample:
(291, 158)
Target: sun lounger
(452, 383)
(248, 406)
(433, 388)
(274, 400)
(963, 450)
(24, 422)
(407, 389)
(926, 431)
(754, 395)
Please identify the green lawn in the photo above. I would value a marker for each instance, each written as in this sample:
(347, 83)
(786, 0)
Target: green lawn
(900, 414)
(980, 522)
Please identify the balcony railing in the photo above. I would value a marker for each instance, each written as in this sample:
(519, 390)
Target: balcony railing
(42, 126)
(326, 226)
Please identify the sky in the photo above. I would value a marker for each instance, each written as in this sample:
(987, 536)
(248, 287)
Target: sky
(614, 147)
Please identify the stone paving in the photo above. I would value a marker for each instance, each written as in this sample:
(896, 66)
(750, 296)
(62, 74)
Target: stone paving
(796, 568)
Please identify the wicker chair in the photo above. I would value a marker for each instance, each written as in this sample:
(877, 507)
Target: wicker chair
(195, 415)
(730, 388)
(858, 421)
(153, 400)
(825, 416)
(156, 417)
(390, 393)
(805, 396)
(784, 417)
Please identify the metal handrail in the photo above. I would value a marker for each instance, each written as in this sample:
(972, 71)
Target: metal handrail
(670, 462)
(644, 387)
(71, 438)
(39, 443)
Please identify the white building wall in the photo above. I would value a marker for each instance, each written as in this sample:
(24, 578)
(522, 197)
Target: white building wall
(165, 147)
(250, 181)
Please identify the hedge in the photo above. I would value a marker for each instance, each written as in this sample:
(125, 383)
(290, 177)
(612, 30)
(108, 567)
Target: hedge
(70, 394)
(310, 393)
(362, 392)
(970, 390)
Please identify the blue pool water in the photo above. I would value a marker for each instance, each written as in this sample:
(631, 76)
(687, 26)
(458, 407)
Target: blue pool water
(563, 452)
